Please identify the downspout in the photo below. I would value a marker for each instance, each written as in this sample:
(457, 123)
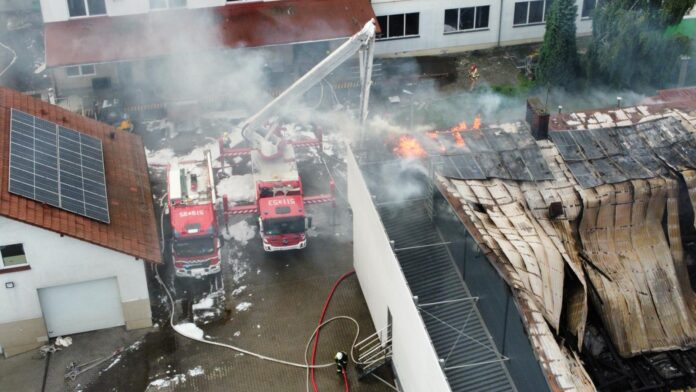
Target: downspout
(500, 21)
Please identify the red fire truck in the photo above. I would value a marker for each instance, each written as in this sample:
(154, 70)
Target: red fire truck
(191, 203)
(280, 199)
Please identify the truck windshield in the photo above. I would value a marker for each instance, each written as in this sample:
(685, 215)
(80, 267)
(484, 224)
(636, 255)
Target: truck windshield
(284, 225)
(190, 247)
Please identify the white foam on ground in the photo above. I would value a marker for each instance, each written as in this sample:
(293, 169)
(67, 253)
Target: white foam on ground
(197, 371)
(241, 232)
(238, 291)
(167, 382)
(160, 157)
(189, 330)
(243, 306)
(239, 189)
(167, 155)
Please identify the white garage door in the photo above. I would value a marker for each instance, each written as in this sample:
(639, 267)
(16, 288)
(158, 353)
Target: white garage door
(81, 307)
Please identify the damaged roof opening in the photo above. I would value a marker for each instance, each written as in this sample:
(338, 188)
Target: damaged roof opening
(610, 217)
(591, 229)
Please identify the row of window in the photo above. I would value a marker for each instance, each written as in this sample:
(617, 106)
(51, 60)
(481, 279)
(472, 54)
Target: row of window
(98, 7)
(471, 18)
(463, 19)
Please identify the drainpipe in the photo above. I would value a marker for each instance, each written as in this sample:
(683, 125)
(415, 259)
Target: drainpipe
(682, 70)
(500, 20)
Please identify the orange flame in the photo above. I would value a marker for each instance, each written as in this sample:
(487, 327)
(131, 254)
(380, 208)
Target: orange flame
(409, 147)
(460, 127)
(456, 132)
(477, 121)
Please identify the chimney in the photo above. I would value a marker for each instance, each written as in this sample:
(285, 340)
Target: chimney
(537, 118)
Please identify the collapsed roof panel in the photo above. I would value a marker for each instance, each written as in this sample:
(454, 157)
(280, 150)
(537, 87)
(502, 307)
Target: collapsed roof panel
(602, 217)
(562, 367)
(631, 266)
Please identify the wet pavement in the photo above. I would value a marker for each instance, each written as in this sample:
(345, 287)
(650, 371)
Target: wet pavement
(274, 301)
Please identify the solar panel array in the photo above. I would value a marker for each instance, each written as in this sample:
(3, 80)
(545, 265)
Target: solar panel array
(57, 166)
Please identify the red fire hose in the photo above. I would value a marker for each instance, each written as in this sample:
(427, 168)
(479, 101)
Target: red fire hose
(345, 380)
(321, 320)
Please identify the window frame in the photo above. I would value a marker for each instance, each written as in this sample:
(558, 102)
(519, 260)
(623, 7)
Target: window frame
(544, 13)
(80, 70)
(385, 29)
(87, 14)
(167, 5)
(459, 15)
(582, 10)
(24, 265)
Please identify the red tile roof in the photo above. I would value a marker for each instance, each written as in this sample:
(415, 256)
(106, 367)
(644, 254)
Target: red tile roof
(133, 228)
(177, 31)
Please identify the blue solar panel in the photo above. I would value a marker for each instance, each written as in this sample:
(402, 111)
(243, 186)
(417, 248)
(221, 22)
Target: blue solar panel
(57, 166)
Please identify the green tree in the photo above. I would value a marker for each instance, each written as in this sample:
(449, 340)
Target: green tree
(629, 46)
(558, 56)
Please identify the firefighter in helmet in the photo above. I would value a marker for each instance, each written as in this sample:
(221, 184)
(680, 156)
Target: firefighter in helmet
(473, 75)
(341, 359)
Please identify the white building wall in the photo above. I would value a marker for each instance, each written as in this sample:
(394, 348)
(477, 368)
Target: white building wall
(433, 41)
(384, 287)
(65, 84)
(56, 260)
(205, 3)
(54, 10)
(57, 10)
(126, 7)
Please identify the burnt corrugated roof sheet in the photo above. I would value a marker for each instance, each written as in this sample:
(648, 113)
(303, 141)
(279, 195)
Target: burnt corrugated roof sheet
(613, 155)
(509, 154)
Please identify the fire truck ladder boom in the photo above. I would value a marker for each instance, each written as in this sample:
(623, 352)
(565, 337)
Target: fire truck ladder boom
(362, 42)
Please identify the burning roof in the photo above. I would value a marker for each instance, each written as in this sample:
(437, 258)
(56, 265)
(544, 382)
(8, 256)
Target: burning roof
(588, 221)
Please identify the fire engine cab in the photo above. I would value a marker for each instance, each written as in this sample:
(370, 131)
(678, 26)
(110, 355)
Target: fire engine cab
(191, 201)
(280, 202)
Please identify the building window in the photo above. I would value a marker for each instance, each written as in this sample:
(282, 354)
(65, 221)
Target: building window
(588, 7)
(465, 19)
(12, 256)
(531, 12)
(163, 4)
(399, 25)
(81, 70)
(86, 7)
